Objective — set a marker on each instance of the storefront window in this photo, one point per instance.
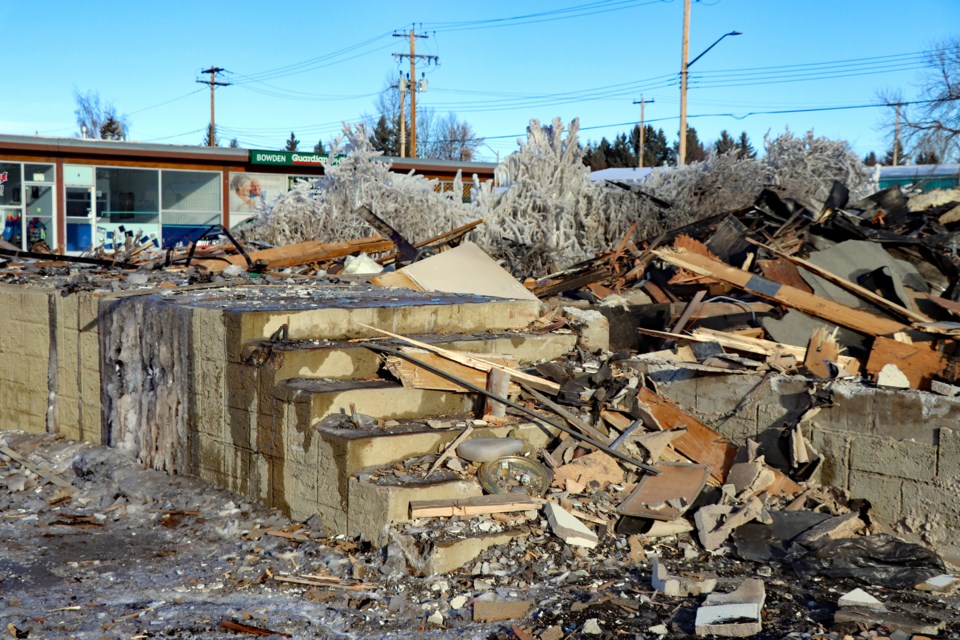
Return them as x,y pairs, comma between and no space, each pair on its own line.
191,202
38,172
127,204
11,202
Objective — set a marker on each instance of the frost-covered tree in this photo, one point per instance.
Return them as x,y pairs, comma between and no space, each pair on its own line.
807,166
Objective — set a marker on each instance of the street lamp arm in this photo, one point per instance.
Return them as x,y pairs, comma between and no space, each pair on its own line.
732,33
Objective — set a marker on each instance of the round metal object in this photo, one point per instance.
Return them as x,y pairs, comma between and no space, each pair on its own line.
515,474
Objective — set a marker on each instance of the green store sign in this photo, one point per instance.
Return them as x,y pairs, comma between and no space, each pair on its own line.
289,158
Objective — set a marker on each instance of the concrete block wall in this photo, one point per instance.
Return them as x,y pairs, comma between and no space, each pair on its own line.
899,449
49,362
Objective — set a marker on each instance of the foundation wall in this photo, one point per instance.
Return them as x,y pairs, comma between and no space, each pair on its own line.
49,362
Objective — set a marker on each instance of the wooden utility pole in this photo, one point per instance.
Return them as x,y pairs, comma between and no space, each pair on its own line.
403,117
213,71
685,52
641,102
414,84
896,137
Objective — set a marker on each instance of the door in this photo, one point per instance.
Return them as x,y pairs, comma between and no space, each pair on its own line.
80,208
39,228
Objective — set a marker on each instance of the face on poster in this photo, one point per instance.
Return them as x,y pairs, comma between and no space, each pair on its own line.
248,191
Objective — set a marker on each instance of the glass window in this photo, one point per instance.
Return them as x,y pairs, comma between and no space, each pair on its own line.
10,192
128,195
191,203
38,172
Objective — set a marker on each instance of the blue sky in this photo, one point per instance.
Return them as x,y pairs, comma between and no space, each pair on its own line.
308,66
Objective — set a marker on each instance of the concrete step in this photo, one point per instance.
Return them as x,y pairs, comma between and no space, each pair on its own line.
338,360
337,313
379,399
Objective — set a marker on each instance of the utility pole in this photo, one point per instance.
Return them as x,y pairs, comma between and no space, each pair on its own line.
684,53
213,71
415,86
896,137
641,102
403,85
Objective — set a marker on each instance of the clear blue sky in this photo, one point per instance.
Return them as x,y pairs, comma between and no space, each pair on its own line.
321,63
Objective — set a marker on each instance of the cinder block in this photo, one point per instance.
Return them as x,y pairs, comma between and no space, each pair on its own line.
852,409
899,415
948,453
882,491
834,446
900,458
935,503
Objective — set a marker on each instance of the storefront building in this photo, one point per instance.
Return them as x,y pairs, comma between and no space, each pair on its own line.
73,194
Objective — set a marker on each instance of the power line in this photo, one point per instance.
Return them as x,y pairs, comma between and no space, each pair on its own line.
576,11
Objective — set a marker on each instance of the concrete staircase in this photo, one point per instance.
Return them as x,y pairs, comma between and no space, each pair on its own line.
286,370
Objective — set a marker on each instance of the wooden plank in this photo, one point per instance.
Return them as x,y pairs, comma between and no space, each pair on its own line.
785,272
478,505
852,287
416,377
700,443
49,476
477,363
292,255
821,348
675,482
451,448
855,319
919,362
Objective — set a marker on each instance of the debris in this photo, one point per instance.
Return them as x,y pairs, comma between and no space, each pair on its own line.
595,469
735,614
679,586
233,625
497,610
466,507
451,448
943,583
859,598
417,377
666,496
878,560
568,528
465,269
488,449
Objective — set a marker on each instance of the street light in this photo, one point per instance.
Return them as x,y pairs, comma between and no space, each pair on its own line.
684,66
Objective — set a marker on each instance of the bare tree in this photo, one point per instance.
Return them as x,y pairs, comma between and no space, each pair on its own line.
934,127
452,139
97,119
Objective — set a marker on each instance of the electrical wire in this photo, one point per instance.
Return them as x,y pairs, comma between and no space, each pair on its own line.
566,13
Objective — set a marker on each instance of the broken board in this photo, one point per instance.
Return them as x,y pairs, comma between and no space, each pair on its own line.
668,495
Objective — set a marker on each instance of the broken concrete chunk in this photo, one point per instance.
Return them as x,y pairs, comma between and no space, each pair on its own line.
596,467
843,526
592,627
591,326
751,478
729,620
859,598
944,389
751,590
661,528
497,610
679,586
941,583
891,376
487,449
568,528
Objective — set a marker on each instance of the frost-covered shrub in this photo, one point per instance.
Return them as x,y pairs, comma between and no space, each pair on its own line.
324,209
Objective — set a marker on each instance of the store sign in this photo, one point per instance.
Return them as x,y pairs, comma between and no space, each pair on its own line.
289,158
3,178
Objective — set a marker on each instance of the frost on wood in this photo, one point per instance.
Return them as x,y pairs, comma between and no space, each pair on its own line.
146,389
324,209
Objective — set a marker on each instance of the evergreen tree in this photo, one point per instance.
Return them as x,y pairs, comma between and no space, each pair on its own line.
318,148
901,156
234,144
870,159
206,137
725,143
620,154
695,150
292,143
746,149
928,156
656,150
386,137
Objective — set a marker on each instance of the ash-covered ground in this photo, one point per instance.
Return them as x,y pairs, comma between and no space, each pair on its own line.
97,547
